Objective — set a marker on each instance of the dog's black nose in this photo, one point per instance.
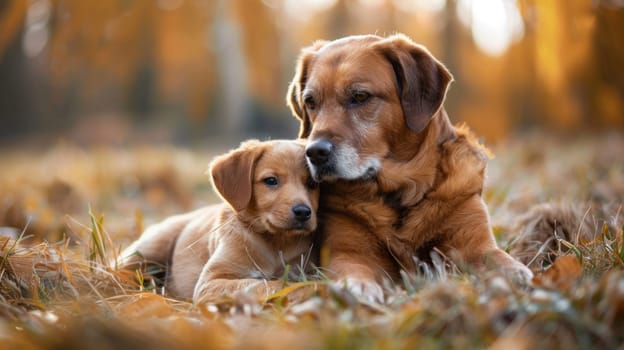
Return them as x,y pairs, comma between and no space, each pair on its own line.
302,212
319,151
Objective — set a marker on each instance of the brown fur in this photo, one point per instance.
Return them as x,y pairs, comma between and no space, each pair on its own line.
244,244
413,181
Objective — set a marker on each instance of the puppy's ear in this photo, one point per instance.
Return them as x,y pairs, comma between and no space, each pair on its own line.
232,174
293,97
422,81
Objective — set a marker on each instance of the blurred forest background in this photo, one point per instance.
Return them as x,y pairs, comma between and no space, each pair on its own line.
191,71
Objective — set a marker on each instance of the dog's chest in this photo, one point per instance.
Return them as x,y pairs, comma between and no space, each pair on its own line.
365,206
273,260
405,229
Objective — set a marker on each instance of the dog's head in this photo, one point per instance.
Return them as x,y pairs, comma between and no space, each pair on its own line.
359,95
268,185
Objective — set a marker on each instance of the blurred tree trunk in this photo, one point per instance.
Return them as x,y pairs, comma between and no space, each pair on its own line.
12,14
142,92
16,113
450,56
260,41
232,69
12,66
339,21
607,75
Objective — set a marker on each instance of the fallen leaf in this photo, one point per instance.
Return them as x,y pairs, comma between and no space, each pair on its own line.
146,305
562,274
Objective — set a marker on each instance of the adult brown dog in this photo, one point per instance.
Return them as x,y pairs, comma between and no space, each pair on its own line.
398,178
244,244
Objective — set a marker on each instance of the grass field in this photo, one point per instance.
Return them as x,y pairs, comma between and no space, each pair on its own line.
65,212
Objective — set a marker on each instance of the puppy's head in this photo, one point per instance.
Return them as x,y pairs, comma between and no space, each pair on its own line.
358,95
268,186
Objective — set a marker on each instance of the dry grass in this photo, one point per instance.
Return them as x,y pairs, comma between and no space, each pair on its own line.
65,213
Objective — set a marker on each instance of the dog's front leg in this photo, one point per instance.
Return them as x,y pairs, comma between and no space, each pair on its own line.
230,271
357,261
357,277
474,243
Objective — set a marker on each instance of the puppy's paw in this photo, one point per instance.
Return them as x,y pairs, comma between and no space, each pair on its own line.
519,274
363,289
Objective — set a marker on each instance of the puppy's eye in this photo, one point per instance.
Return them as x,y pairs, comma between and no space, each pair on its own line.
309,103
359,97
270,181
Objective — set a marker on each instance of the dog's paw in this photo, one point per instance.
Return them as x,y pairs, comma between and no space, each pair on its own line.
363,289
519,274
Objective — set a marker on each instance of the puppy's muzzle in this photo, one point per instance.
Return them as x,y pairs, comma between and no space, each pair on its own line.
319,151
302,213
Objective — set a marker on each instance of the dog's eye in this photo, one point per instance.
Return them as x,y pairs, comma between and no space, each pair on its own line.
359,97
270,181
309,102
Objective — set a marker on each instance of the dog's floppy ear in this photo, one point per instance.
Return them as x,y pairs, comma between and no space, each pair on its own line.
293,97
232,174
422,81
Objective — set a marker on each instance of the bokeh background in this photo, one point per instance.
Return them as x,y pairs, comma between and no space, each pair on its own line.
194,71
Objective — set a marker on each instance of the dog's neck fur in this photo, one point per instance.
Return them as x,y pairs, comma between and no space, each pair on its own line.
407,144
413,167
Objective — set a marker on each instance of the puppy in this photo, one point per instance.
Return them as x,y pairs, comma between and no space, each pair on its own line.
243,244
399,180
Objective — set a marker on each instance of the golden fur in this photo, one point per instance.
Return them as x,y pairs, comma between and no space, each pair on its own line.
398,179
246,243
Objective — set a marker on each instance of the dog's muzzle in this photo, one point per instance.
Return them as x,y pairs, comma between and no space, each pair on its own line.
319,152
320,156
328,162
302,213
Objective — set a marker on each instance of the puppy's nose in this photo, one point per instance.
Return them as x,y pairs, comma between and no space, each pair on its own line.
302,212
319,151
